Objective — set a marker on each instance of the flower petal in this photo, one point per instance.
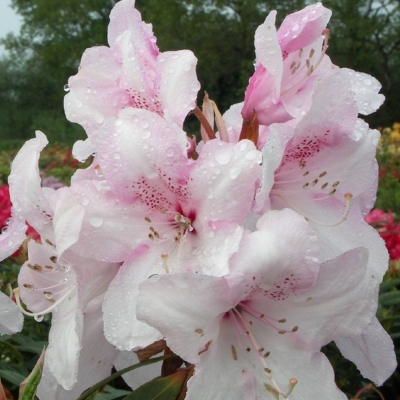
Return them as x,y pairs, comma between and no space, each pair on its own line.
372,352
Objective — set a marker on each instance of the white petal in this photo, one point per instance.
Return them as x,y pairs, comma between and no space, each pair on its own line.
11,319
372,352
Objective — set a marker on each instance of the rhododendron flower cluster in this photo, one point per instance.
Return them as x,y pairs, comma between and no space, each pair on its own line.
241,252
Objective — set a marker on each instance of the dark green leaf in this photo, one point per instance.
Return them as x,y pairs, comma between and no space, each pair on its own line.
167,388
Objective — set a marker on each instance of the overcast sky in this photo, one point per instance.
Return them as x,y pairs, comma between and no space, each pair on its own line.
9,21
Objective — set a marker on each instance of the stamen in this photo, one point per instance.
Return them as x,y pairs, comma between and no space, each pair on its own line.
241,323
347,196
48,310
164,257
310,68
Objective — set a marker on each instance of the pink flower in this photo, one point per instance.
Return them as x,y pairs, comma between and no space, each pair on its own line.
288,64
249,333
388,229
57,280
159,212
130,73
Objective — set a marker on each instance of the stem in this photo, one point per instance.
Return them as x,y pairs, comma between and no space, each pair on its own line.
203,120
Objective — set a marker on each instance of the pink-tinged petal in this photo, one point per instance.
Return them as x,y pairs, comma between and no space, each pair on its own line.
139,78
125,17
365,88
139,376
95,93
25,184
301,70
229,370
95,360
223,180
233,121
107,236
41,280
262,265
45,282
67,221
65,339
354,232
372,352
342,281
208,250
11,319
179,84
141,156
40,288
330,157
262,96
121,327
219,376
12,237
303,27
82,149
268,51
272,152
189,322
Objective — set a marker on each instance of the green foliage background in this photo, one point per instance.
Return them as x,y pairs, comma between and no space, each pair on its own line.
364,36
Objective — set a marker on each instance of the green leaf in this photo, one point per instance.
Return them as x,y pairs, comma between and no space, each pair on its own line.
385,286
12,376
167,388
110,393
86,395
28,387
390,298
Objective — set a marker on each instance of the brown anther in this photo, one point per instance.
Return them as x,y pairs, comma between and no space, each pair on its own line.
314,182
324,185
234,354
147,219
35,267
27,286
266,354
267,370
322,174
199,331
281,332
295,328
282,321
305,185
53,259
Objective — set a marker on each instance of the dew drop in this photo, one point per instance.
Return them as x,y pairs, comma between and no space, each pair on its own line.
66,88
96,221
38,318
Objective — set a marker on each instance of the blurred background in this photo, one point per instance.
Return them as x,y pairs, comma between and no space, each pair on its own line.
47,39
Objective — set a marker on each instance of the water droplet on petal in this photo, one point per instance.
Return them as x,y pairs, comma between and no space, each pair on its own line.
48,295
38,318
96,221
66,88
